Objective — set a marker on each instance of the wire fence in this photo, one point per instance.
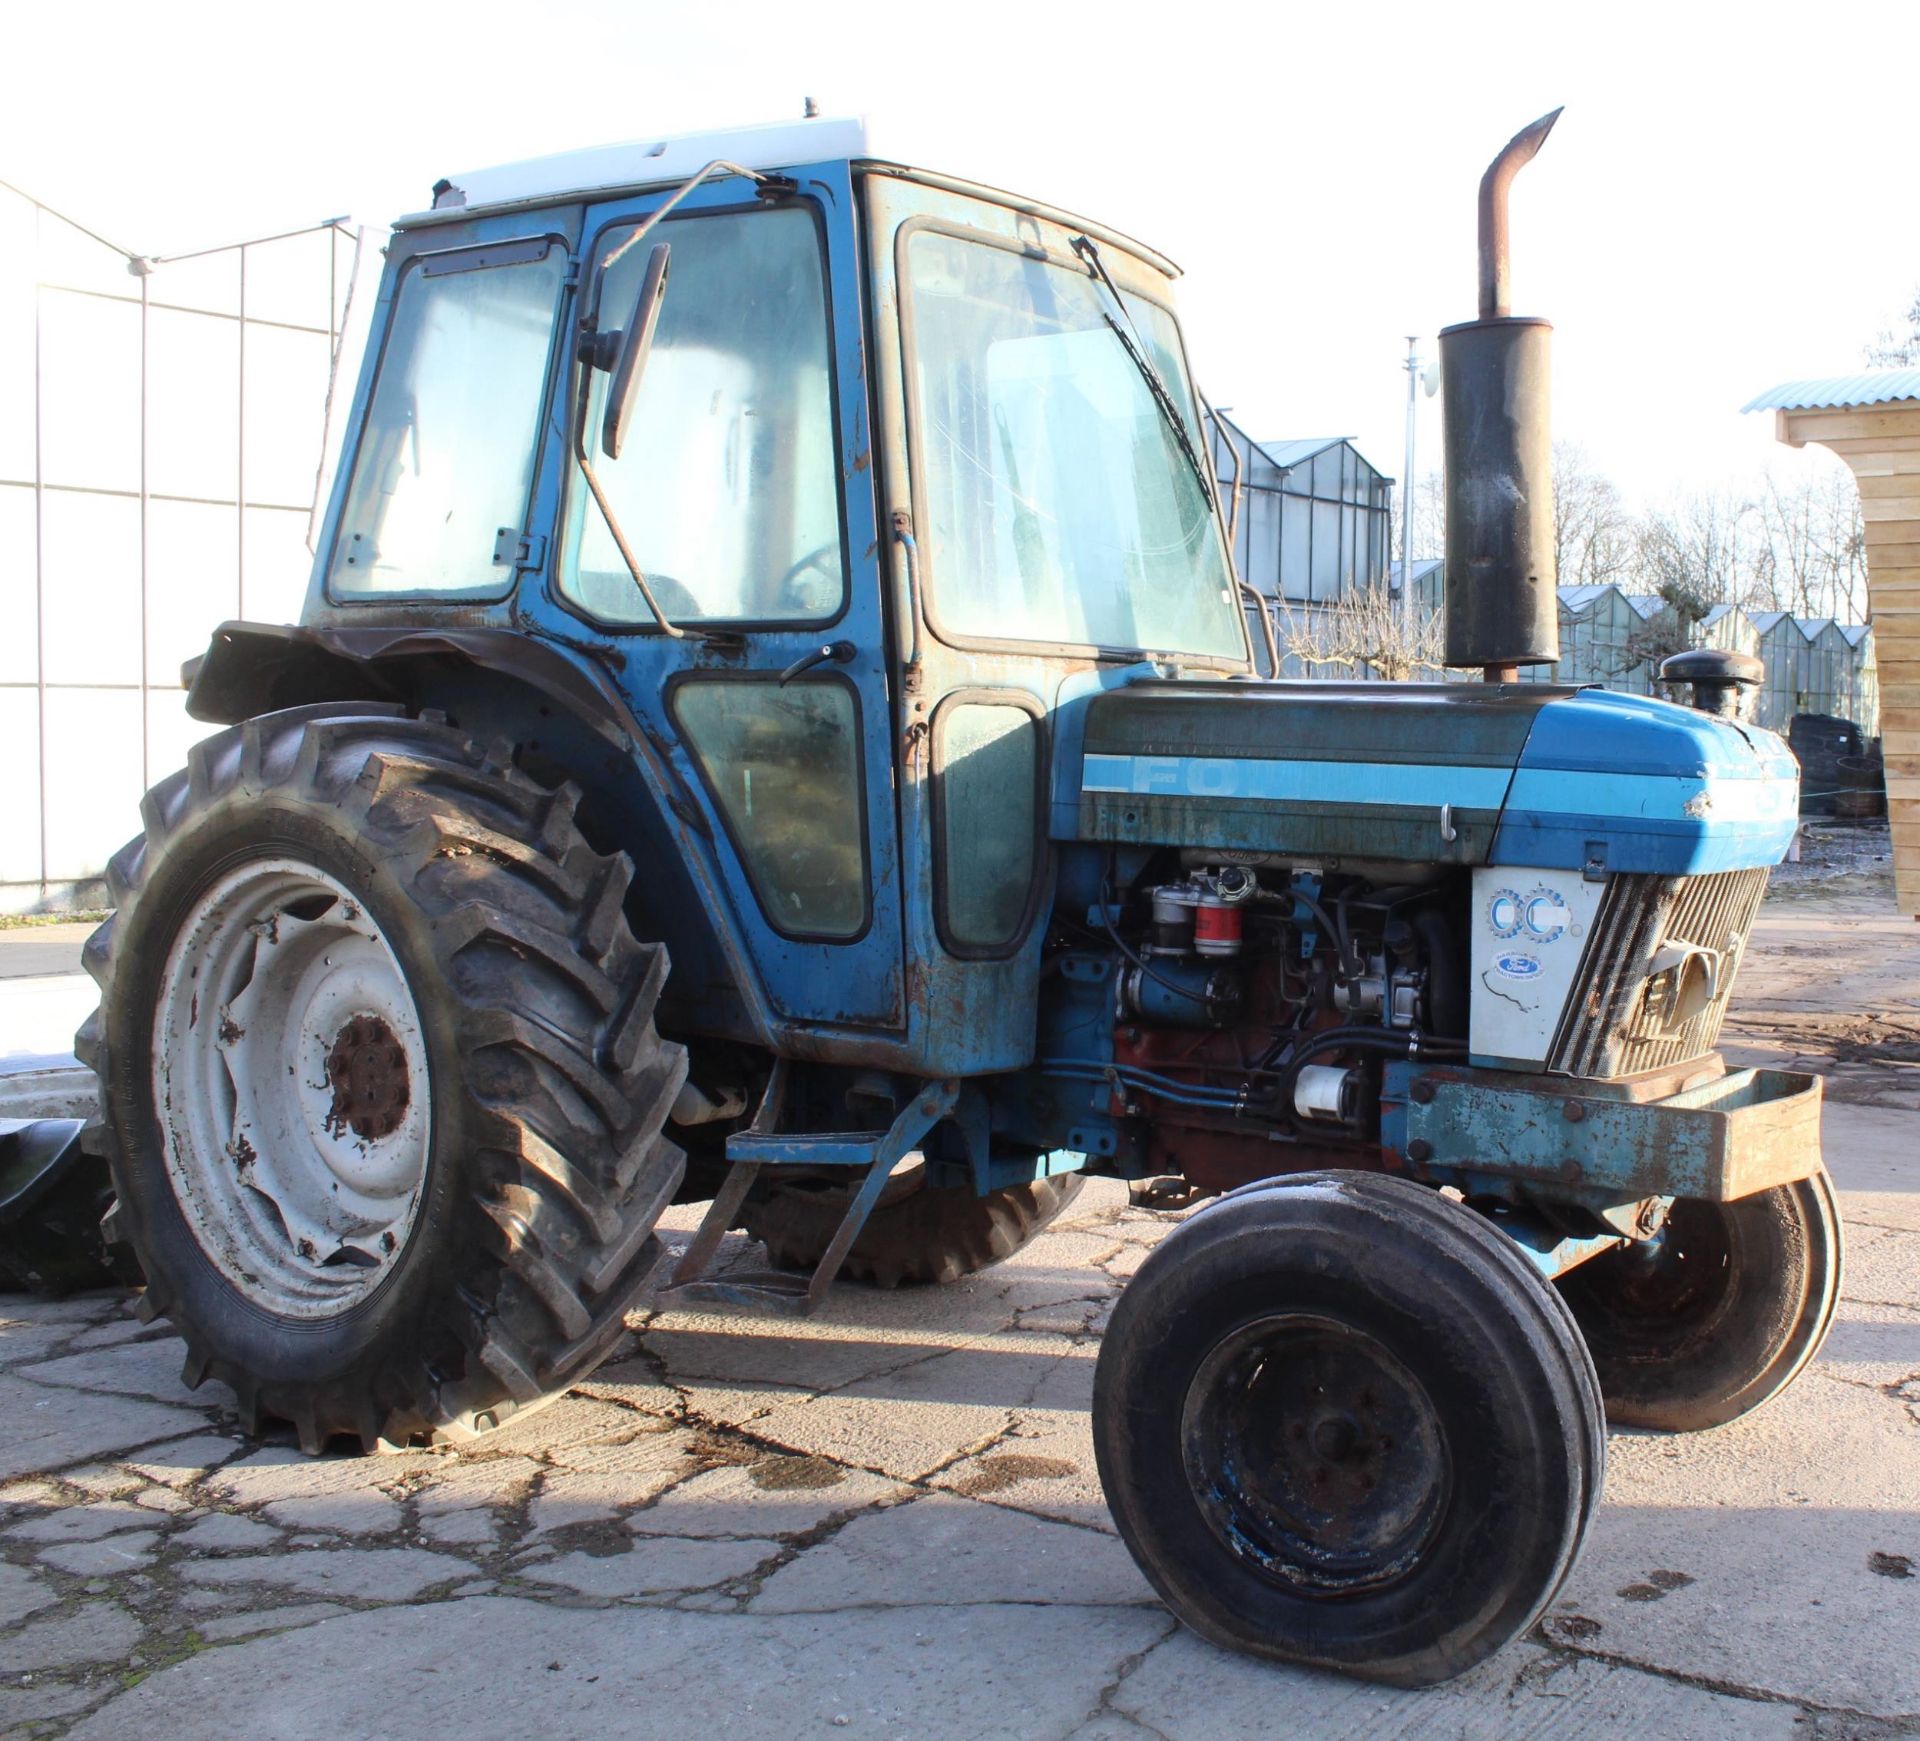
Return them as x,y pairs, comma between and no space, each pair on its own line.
163,430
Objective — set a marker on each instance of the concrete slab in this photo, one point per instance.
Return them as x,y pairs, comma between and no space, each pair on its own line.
983,1554
58,1519
225,1532
912,1421
149,1369
21,1594
92,1632
186,1461
1186,1690
655,1566
258,1620
499,1669
42,1427
773,1496
113,1555
486,1479
1044,1465
462,1529
279,1474
370,1574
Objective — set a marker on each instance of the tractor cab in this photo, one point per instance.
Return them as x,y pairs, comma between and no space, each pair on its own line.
898,461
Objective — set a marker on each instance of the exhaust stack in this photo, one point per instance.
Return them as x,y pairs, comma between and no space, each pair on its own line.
1502,607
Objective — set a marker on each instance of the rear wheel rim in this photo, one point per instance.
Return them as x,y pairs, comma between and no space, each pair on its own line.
291,1084
1657,1296
1315,1455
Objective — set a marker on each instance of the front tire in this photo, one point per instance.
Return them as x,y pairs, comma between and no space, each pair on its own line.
380,1088
1716,1315
1340,1420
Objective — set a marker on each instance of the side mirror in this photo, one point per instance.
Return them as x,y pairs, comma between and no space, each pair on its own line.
635,339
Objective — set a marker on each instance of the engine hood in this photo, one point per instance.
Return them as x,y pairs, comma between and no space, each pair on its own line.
1520,774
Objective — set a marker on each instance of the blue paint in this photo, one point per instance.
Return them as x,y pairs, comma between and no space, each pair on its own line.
1069,721
1649,787
1297,782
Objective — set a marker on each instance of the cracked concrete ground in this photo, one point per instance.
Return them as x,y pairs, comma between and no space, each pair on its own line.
884,1522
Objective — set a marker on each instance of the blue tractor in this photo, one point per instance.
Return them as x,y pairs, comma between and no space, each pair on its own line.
773,724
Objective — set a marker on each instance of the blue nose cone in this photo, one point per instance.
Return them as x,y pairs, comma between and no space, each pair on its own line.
1612,782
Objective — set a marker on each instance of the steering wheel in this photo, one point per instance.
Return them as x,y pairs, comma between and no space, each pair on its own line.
812,598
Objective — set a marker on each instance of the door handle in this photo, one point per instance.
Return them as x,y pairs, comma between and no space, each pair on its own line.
827,653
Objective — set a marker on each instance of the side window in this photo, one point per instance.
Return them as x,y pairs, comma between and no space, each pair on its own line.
783,764
446,459
728,486
986,807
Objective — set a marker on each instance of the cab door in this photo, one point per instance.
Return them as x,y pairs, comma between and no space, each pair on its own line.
744,495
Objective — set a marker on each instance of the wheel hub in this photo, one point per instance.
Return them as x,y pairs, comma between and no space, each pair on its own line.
1314,1454
367,1068
291,1086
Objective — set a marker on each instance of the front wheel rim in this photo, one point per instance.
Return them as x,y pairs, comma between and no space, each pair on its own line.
292,1088
1315,1455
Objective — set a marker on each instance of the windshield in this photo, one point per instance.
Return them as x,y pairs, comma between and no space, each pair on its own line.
1058,504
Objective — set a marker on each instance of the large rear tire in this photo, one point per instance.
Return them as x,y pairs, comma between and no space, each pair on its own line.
380,1087
1719,1313
1341,1420
916,1236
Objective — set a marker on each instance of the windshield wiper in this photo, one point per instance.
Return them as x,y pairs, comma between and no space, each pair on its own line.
1130,340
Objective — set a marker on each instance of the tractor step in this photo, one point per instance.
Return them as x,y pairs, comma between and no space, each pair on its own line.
750,1150
823,1148
777,1291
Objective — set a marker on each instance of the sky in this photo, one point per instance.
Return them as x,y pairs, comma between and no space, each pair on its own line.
1728,201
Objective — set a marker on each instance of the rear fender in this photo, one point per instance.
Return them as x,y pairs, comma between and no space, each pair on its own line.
566,719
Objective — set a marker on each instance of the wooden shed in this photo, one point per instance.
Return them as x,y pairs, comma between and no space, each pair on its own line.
1872,421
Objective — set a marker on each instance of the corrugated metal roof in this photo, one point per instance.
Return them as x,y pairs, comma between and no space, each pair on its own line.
1810,627
1870,387
1288,454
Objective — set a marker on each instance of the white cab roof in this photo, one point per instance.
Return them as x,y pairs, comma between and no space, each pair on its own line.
648,162
670,158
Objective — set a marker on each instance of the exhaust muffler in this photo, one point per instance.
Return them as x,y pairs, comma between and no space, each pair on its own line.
1502,607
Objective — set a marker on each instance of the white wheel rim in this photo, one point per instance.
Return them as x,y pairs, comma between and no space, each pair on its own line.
290,1077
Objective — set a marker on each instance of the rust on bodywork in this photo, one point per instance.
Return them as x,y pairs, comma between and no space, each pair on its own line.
1722,1139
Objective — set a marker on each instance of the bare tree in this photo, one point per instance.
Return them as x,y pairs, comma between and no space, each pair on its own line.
1362,632
1593,534
1690,553
1811,554
1898,347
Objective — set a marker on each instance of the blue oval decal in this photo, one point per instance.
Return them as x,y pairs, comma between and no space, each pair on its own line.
1517,966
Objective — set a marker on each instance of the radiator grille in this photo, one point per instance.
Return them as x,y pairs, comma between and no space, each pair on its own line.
1615,1023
